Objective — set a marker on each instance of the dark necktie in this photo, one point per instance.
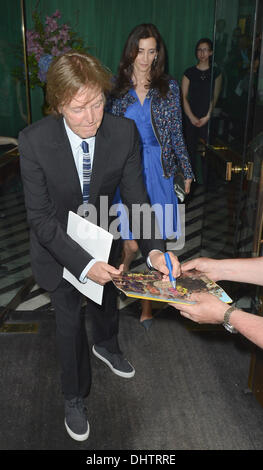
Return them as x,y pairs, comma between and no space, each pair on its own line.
86,171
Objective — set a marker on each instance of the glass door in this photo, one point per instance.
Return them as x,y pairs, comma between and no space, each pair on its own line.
233,156
230,173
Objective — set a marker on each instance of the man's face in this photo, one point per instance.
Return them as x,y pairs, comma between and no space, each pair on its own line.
84,113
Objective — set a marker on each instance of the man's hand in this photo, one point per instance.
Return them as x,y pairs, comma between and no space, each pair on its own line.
101,272
158,262
207,309
210,267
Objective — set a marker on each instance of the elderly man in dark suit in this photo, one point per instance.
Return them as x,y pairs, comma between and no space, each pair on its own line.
75,156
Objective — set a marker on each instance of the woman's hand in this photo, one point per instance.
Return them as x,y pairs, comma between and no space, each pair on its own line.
187,185
202,121
194,120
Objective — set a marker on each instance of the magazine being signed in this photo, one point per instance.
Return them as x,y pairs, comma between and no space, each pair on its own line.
149,285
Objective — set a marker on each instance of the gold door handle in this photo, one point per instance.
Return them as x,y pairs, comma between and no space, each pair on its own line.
230,168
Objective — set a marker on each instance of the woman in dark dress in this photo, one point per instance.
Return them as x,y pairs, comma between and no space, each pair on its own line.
198,101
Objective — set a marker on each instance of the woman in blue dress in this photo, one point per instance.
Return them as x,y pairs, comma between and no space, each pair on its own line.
143,92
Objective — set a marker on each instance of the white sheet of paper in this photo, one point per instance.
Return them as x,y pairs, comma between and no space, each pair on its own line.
97,242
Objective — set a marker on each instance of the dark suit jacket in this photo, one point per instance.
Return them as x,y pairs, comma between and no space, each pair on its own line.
52,189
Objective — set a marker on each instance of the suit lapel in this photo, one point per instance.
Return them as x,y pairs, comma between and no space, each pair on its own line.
65,160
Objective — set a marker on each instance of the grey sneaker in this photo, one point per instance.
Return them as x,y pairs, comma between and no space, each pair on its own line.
116,362
76,421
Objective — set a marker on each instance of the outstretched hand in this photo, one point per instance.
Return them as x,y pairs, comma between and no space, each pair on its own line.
210,267
206,309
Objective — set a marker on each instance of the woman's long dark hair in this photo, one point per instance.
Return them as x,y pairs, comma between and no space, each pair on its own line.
158,79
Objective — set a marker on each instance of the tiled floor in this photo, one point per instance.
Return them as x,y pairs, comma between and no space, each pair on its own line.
14,245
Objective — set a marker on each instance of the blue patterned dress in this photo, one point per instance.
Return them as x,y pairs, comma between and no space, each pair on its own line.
160,189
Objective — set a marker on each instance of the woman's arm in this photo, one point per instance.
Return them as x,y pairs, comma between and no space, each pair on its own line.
178,142
217,89
187,109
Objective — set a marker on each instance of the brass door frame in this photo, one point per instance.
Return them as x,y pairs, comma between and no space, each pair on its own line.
23,29
257,242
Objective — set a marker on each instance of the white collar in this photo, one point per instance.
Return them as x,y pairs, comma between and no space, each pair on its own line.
74,139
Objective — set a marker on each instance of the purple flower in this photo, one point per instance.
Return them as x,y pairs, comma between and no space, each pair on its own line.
57,14
43,66
38,51
66,49
55,51
48,40
64,33
52,24
32,41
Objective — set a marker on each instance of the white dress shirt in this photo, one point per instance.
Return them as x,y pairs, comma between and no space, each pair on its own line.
75,143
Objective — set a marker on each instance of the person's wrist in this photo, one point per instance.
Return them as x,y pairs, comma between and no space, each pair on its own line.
220,270
227,323
223,312
220,312
225,270
148,260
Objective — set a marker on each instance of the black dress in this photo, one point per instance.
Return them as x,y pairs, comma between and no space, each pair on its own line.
199,98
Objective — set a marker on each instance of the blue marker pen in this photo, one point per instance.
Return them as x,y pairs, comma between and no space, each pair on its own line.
170,267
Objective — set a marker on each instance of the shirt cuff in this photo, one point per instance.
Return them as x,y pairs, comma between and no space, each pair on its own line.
148,261
82,277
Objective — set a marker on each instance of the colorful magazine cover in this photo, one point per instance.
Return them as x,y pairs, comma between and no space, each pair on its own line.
149,285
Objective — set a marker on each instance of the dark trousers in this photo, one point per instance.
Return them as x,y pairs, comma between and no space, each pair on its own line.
71,334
